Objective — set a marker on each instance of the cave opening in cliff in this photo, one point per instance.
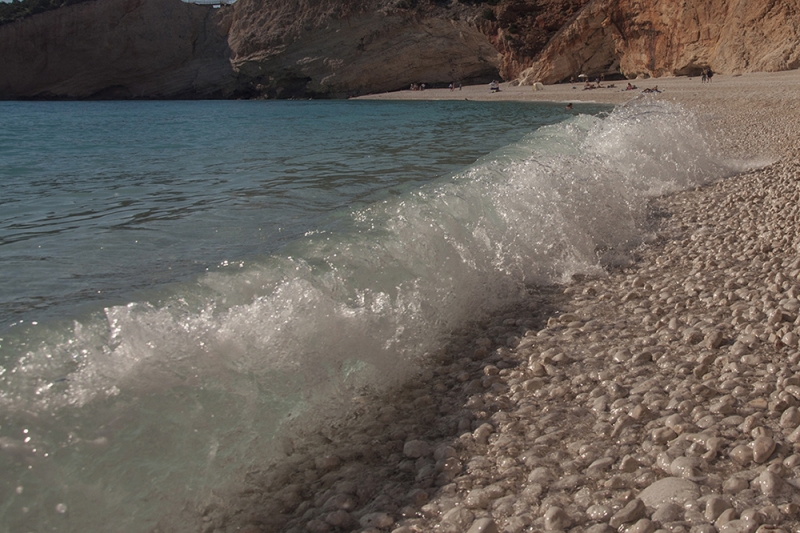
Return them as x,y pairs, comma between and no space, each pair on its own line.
690,70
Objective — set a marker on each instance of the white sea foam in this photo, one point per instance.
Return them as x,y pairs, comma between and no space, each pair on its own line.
194,387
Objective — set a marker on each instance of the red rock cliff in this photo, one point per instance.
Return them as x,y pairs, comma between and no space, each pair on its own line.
673,37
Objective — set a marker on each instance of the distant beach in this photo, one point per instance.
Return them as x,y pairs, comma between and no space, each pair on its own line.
761,86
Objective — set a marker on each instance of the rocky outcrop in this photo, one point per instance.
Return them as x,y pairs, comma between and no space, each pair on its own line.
345,47
118,49
338,49
521,29
254,48
672,37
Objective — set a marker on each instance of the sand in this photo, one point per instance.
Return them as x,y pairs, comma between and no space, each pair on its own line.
754,86
662,396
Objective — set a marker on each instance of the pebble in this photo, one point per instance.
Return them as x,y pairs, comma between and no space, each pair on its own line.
642,526
790,418
738,526
376,520
726,516
339,519
326,463
771,485
762,449
600,528
482,433
556,519
734,485
483,525
670,489
794,436
685,467
416,449
715,506
598,513
317,526
660,394
633,511
741,454
456,520
668,512
481,498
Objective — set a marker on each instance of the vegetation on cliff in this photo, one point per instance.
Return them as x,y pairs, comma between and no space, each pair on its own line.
19,9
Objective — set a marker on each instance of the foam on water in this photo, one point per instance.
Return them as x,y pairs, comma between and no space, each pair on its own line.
127,416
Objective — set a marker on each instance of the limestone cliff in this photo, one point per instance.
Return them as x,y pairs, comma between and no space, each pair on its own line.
338,48
672,37
271,48
329,48
117,49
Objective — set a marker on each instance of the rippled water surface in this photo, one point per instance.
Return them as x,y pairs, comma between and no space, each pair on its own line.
180,278
185,283
102,199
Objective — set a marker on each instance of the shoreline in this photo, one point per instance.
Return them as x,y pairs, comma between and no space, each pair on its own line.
682,88
663,396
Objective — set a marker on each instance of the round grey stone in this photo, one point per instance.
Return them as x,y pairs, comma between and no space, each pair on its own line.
483,525
669,489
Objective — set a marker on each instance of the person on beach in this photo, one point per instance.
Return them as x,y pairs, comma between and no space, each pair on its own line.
704,76
709,74
494,87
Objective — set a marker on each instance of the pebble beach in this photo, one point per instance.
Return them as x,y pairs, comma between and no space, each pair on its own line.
662,396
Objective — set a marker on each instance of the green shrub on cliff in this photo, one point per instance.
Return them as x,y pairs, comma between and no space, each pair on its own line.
19,9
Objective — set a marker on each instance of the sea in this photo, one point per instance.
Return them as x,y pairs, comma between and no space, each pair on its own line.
185,283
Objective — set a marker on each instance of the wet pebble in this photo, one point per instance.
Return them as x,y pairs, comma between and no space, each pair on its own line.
668,512
416,449
661,395
483,525
556,519
376,520
763,447
632,512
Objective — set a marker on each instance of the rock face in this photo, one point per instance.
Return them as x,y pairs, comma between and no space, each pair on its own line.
254,48
117,49
339,48
672,37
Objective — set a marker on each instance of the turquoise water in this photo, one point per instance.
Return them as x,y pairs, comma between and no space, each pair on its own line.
102,199
180,279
